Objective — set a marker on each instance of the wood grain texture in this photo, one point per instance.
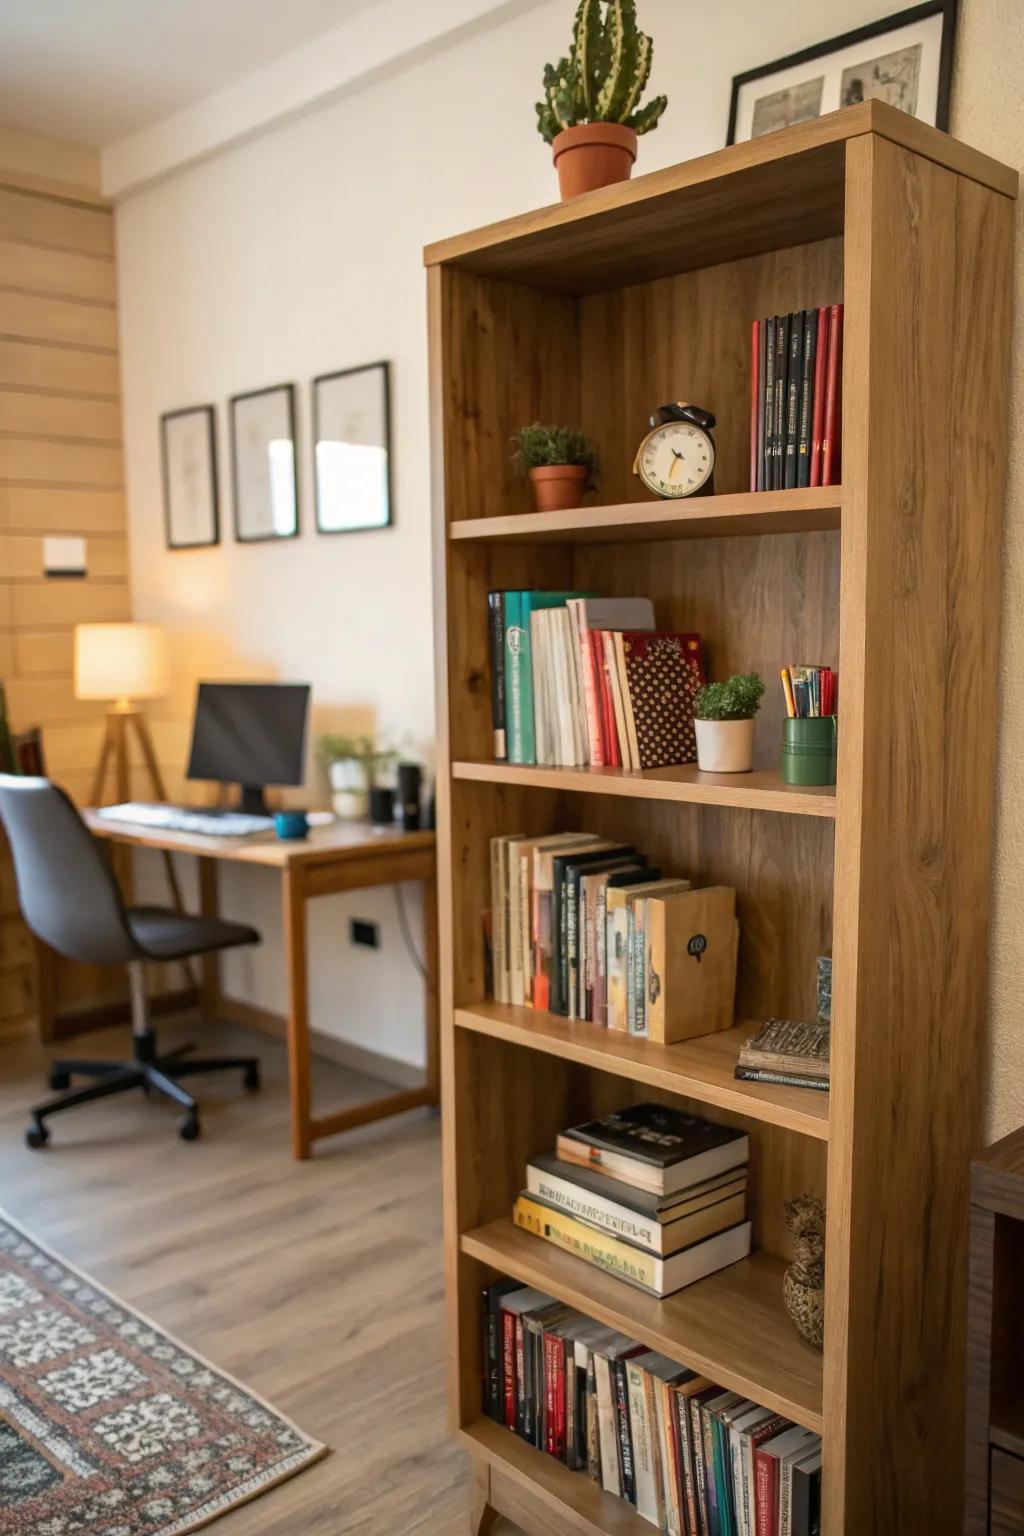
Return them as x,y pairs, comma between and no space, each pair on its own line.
701,1070
743,512
732,1326
533,1489
773,191
927,258
1007,1480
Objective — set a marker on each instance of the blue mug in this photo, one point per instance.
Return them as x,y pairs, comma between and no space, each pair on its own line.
291,824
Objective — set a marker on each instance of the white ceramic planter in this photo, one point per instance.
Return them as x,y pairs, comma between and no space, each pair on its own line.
349,798
725,746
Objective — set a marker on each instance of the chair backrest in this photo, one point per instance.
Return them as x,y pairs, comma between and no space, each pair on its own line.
67,894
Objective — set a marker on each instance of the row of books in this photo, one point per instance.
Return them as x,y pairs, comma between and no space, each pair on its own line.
692,1458
579,680
795,399
584,927
649,1194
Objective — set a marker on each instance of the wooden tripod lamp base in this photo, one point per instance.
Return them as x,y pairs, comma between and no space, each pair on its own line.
122,721
124,664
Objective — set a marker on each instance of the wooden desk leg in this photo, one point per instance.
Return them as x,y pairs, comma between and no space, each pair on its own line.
296,960
209,906
432,985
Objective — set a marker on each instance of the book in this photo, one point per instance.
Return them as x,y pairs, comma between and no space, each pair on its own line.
794,374
493,1348
803,446
659,1148
810,1445
594,614
663,676
766,1476
755,399
658,1276
806,1495
660,1239
790,1046
609,731
762,361
519,678
818,410
830,441
521,900
782,329
618,902
542,919
769,405
564,865
593,899
783,1079
690,960
500,914
511,1307
496,636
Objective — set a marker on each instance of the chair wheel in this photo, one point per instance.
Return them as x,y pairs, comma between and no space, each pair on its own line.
59,1080
37,1136
251,1079
188,1128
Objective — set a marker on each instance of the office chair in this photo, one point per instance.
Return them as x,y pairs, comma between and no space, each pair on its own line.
70,899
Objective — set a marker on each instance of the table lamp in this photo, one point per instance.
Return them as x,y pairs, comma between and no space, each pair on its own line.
125,664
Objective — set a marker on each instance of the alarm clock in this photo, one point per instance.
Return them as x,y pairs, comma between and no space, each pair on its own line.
677,457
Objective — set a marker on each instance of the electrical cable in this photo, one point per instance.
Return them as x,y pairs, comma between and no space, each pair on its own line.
403,921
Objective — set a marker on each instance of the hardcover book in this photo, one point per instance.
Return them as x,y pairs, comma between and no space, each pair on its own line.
663,677
664,1146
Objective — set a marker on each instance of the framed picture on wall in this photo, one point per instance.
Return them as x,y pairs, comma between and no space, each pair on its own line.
905,59
266,493
188,451
352,449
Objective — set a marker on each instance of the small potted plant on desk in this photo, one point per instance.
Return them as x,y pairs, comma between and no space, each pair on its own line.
723,719
560,462
353,764
591,113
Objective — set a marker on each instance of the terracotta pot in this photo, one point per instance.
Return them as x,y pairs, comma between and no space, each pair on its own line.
558,486
593,155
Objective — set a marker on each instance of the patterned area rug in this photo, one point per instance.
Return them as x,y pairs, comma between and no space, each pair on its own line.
108,1427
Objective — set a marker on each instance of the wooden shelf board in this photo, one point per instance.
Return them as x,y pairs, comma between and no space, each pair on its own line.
762,790
743,512
586,1508
698,1069
780,189
1007,1428
732,1326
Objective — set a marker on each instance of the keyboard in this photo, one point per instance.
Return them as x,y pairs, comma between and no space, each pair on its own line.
178,818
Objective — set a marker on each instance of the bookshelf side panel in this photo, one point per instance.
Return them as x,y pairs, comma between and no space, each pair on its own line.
928,284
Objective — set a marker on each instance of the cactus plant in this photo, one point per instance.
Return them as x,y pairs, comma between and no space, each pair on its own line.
604,76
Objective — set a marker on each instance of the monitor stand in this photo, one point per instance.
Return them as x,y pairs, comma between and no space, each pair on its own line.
251,801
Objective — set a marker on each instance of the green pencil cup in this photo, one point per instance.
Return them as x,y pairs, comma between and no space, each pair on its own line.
809,750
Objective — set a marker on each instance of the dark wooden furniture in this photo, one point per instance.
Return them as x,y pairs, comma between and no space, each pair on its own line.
995,1343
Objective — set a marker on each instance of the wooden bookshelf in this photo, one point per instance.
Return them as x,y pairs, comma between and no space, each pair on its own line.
593,313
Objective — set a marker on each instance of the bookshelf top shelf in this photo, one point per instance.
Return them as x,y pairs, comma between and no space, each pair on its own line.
732,1326
704,517
782,189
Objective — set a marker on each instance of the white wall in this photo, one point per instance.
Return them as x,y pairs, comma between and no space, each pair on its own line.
300,252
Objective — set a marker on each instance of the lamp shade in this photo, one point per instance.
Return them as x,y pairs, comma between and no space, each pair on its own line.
120,661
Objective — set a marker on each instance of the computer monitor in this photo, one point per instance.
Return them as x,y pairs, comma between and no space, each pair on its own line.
250,734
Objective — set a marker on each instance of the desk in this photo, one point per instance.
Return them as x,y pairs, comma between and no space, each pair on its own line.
344,856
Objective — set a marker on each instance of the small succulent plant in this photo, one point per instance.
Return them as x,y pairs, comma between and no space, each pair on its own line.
737,699
537,446
605,74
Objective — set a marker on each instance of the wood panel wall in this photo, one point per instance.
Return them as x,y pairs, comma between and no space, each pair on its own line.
61,472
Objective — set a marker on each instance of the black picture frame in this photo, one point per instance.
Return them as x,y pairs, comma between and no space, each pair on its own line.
288,391
210,437
947,9
320,382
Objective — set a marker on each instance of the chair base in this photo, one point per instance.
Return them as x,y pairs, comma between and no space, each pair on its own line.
146,1070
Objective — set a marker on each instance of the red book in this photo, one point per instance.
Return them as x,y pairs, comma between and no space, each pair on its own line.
508,1341
818,421
755,404
830,437
766,1489
609,731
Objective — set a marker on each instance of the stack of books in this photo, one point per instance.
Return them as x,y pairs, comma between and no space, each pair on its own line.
651,1195
584,927
579,680
787,1051
796,370
693,1459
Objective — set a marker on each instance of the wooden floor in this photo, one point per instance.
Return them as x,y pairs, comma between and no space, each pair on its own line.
318,1284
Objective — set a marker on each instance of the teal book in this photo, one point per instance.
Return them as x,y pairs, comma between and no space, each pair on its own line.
521,742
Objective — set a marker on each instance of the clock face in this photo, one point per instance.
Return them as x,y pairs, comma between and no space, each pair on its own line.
676,459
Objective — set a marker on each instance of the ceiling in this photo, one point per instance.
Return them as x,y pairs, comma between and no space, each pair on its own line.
98,70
